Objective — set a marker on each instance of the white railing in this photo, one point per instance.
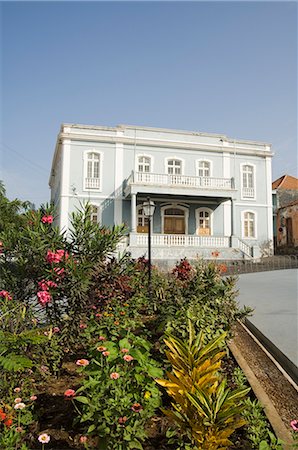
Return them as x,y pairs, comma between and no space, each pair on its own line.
92,183
244,247
248,192
160,179
178,240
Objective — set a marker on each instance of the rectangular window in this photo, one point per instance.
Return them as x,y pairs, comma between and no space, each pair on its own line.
248,181
249,225
92,177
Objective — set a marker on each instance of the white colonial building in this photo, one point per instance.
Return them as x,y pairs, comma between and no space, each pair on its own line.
212,193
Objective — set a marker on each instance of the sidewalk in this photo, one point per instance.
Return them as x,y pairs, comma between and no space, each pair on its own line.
274,296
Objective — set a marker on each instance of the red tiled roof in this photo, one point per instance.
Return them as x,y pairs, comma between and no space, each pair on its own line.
285,182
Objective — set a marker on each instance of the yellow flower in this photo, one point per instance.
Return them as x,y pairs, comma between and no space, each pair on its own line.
147,395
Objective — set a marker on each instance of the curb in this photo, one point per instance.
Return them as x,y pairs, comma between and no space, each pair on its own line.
277,424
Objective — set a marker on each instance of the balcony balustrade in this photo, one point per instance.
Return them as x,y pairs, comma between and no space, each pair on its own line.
158,179
178,240
92,183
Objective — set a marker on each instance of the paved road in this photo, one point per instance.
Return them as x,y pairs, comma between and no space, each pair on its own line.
274,295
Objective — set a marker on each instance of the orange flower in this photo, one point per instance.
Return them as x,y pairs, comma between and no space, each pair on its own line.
8,423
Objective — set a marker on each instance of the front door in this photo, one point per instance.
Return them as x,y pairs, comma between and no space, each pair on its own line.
174,225
174,221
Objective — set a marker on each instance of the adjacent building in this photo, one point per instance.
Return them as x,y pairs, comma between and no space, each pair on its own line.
285,213
212,193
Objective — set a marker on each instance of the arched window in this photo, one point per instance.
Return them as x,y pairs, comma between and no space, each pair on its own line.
204,169
248,181
144,164
174,167
93,171
204,221
249,225
142,220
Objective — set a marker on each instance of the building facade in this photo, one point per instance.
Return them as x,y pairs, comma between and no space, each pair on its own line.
285,214
212,193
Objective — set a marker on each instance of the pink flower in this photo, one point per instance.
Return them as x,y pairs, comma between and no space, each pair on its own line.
101,338
52,257
294,425
17,389
82,362
124,350
101,348
59,272
122,420
33,398
43,285
105,353
44,438
83,439
83,326
6,295
47,219
98,315
128,358
136,407
56,330
69,393
62,254
17,400
114,376
44,297
52,284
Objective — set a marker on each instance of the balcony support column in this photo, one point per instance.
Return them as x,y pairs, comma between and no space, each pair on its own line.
133,213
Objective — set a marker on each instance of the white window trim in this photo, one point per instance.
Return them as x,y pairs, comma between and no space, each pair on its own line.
177,206
204,160
254,180
96,205
145,155
210,211
137,216
85,164
255,223
177,159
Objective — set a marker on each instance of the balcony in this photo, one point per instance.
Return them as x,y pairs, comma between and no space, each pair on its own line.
150,182
92,183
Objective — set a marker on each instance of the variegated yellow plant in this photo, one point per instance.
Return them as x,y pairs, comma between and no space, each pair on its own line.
204,408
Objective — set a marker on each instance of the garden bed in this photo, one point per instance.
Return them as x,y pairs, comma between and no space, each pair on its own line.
89,360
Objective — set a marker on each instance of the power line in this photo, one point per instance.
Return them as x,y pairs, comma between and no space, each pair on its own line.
24,157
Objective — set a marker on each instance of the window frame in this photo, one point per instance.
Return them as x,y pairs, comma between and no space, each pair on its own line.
197,215
253,166
174,158
139,207
198,167
249,211
98,214
143,155
85,170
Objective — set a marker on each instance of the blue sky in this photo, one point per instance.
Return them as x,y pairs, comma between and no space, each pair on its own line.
222,67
